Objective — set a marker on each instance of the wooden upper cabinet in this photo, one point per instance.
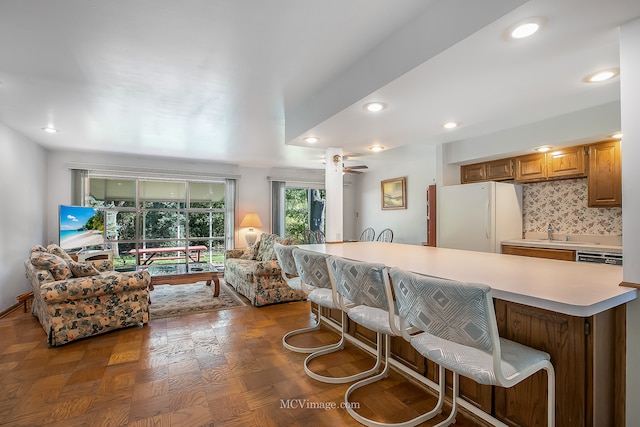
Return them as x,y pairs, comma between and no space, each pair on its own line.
499,169
567,162
496,170
532,167
605,174
473,173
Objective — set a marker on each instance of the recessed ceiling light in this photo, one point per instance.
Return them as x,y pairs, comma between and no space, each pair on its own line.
602,75
49,129
376,148
450,125
374,106
525,28
617,135
311,139
542,149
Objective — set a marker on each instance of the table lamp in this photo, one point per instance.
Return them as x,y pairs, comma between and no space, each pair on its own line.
251,220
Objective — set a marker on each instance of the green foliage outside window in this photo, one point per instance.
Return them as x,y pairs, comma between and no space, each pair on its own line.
161,218
304,209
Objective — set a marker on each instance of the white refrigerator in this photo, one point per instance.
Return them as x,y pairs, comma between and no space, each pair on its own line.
477,217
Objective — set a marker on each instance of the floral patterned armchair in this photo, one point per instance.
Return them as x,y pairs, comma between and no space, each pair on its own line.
75,300
255,273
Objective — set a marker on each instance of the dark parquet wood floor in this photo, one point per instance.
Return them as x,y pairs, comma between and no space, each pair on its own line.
224,368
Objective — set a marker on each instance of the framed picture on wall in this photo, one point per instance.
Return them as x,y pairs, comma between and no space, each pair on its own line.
394,193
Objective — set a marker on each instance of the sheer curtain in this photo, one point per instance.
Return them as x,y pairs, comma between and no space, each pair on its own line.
277,208
230,212
79,186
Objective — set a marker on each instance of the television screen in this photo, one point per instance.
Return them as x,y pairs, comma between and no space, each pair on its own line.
81,227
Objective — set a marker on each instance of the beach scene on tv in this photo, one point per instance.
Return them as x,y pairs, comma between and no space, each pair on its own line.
81,227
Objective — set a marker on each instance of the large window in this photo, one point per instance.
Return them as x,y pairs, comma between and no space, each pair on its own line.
152,214
304,210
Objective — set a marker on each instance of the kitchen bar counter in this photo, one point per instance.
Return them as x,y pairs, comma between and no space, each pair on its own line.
576,289
574,311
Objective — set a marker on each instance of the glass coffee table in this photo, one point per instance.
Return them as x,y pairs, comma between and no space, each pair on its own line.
179,274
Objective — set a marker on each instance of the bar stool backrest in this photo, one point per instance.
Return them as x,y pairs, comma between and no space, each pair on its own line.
454,311
284,253
312,268
362,283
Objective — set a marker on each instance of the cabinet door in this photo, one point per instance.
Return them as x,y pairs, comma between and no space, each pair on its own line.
330,313
605,175
401,349
499,169
473,173
568,162
561,254
532,167
563,337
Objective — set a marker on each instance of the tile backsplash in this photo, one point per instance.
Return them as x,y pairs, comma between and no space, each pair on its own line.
563,204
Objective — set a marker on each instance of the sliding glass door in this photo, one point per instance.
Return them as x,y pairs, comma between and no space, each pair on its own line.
156,221
304,211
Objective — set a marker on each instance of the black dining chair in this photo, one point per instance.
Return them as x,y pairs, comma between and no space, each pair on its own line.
385,235
368,235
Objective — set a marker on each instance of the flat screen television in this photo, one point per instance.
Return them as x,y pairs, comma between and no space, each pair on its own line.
81,227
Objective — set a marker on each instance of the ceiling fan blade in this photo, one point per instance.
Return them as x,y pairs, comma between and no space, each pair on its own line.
358,167
349,170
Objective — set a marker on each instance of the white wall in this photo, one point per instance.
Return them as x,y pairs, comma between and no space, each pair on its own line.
630,105
408,225
59,175
350,198
254,195
254,189
23,173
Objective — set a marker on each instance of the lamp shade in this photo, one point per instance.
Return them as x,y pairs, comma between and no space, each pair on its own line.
251,220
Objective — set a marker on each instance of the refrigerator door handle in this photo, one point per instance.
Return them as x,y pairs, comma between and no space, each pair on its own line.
487,220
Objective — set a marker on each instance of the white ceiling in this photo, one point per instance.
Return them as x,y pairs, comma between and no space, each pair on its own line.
242,81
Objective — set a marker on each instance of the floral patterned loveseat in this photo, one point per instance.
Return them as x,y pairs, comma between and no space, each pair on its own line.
255,273
75,300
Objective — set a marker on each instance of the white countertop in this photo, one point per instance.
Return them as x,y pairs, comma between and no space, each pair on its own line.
573,288
562,244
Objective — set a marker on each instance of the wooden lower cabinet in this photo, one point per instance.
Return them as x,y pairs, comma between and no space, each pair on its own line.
584,355
401,350
563,337
561,254
335,315
588,355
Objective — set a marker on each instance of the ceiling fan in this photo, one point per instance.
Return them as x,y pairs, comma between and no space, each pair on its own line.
348,169
352,169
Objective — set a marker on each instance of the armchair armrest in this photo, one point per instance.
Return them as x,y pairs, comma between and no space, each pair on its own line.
101,264
93,286
267,268
234,253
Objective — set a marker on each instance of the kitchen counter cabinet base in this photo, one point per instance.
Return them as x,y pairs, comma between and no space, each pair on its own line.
589,372
561,254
